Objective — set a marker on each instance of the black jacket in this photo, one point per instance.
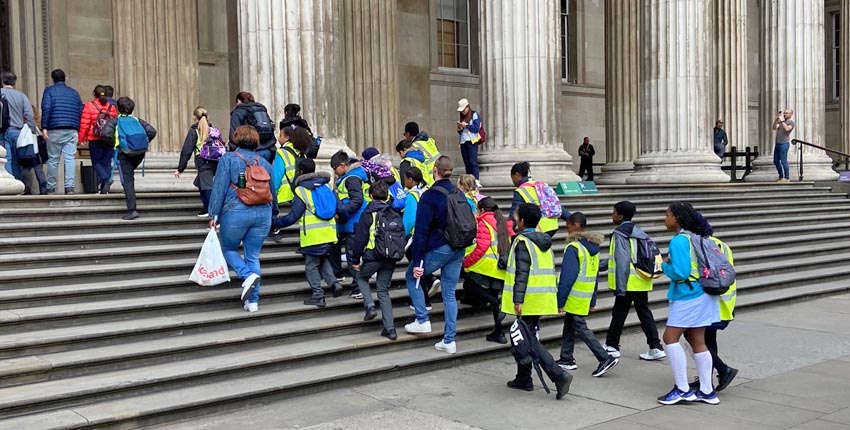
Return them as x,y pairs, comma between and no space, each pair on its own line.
362,236
190,145
523,261
588,151
239,117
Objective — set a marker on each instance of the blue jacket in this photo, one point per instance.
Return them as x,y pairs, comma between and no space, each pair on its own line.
309,181
223,196
430,220
679,271
61,108
570,265
355,204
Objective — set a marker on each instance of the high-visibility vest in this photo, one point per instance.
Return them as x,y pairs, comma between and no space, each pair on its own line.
727,300
429,150
635,282
529,195
488,265
289,160
396,175
314,230
342,191
541,293
426,171
578,302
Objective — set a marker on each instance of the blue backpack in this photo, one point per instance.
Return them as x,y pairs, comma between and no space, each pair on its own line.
131,136
398,196
324,202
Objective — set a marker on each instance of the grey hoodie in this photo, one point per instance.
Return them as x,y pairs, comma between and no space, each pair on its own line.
622,253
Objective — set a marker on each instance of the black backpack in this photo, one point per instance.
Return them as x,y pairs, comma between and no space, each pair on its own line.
259,119
4,113
461,226
389,235
647,259
524,347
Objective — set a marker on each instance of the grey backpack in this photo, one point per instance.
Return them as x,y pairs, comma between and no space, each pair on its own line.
716,273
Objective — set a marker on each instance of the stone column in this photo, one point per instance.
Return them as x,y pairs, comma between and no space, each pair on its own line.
8,184
675,95
521,89
290,52
371,76
732,88
156,64
622,89
844,96
792,77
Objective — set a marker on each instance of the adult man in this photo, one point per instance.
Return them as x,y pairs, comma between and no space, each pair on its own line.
720,138
586,153
61,110
20,114
784,125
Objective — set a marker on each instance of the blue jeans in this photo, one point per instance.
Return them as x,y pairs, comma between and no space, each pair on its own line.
248,225
469,152
102,154
10,141
61,144
449,261
780,159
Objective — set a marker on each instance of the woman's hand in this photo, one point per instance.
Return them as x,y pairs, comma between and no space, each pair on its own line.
212,223
418,272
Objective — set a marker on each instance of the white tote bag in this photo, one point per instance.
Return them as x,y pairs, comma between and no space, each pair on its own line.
211,268
27,138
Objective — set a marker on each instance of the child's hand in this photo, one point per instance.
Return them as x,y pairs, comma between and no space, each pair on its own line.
518,309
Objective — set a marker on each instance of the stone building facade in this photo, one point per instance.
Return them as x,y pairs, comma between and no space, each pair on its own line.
643,79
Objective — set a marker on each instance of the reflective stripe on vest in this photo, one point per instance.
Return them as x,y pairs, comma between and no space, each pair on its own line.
541,293
578,302
728,300
284,193
314,230
342,190
529,195
426,172
635,282
488,265
429,151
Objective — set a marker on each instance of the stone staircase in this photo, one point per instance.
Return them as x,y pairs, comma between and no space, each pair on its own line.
100,328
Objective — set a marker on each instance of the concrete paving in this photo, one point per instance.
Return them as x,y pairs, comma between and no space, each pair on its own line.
794,363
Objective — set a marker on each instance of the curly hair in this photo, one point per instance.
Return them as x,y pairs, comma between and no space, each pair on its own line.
689,219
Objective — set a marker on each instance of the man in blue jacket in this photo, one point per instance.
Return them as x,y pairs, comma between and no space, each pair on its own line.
61,109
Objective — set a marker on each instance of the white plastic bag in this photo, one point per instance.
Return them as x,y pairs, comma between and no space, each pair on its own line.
211,268
27,138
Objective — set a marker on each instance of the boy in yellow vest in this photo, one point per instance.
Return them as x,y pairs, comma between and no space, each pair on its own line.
529,293
577,294
317,235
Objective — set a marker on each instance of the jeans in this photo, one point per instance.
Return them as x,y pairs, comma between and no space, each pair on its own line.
127,165
780,159
469,152
719,150
10,141
449,261
575,325
547,363
249,226
102,154
316,268
29,167
385,270
61,144
205,199
622,305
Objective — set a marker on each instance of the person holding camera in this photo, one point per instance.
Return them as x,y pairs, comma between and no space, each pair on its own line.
784,125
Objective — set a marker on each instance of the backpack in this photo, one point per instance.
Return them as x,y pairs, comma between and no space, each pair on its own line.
550,204
524,347
398,194
389,235
647,258
324,202
213,148
716,273
482,133
461,226
102,118
260,120
132,138
4,113
257,189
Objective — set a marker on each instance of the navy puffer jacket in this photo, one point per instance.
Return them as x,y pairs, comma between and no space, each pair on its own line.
61,108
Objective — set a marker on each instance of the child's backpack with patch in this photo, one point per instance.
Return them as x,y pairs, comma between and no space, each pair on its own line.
647,258
461,226
132,138
213,148
550,204
324,202
102,118
716,274
257,189
389,234
524,348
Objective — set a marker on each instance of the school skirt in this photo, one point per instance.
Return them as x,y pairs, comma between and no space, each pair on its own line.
702,311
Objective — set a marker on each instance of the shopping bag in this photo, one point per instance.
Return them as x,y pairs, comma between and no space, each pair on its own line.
27,138
210,269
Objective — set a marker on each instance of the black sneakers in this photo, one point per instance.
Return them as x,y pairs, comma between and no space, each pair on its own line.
389,334
725,379
371,313
563,386
605,366
525,386
130,216
319,303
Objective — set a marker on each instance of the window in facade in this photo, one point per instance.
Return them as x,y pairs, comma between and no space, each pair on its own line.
565,39
453,34
836,56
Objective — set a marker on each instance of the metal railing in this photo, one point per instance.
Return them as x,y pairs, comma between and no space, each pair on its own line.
800,152
749,155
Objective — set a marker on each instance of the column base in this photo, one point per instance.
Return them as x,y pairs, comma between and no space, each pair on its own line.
550,165
329,147
616,173
816,167
9,186
678,168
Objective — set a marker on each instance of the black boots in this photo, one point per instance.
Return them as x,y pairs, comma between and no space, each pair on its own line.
498,333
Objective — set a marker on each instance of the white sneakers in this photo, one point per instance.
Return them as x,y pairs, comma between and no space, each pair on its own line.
251,307
416,327
613,352
450,348
653,354
435,288
249,284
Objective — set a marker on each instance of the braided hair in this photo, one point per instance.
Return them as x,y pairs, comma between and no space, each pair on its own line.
689,219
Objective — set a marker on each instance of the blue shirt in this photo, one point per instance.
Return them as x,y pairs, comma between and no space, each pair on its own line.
679,271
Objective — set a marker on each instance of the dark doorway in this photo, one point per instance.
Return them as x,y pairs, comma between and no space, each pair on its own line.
5,37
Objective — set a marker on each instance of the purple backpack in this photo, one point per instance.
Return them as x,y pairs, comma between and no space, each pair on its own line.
213,148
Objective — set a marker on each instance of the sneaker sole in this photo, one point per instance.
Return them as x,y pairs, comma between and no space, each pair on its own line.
644,358
614,354
726,383
446,350
714,401
605,370
566,387
671,402
566,367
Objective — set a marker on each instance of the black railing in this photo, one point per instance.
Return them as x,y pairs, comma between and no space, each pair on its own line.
800,152
749,155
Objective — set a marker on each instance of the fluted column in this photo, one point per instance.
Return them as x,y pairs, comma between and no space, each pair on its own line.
792,77
290,52
156,64
521,89
676,145
8,184
371,75
622,89
844,96
732,88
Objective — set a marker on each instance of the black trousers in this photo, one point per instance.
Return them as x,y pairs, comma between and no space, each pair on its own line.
127,165
622,305
586,168
711,343
547,363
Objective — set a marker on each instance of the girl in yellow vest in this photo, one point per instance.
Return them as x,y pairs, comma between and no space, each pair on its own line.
577,294
415,185
526,193
294,142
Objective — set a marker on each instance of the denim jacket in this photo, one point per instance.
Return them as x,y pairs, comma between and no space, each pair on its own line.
223,196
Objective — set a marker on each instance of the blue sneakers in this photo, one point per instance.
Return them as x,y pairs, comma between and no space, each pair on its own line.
676,395
710,398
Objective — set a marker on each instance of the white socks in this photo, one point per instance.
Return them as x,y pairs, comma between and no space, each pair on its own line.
703,361
679,363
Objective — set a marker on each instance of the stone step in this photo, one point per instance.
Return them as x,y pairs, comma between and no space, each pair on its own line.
94,226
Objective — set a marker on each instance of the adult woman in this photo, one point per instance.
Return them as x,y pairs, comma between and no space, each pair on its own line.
241,223
468,129
249,112
102,148
691,310
198,134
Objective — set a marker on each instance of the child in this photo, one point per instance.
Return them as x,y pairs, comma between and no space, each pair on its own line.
415,185
317,235
29,158
628,286
129,133
577,294
467,185
526,192
351,187
529,280
206,164
691,310
294,141
412,157
367,262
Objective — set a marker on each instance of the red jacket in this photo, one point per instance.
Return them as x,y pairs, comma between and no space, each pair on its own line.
90,112
482,238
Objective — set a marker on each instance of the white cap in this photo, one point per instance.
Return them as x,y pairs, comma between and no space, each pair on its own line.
462,104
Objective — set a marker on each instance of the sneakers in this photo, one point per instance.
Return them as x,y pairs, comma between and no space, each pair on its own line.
676,395
69,191
496,338
248,285
337,290
130,216
725,379
356,295
563,386
710,398
694,385
389,334
319,303
341,280
653,355
417,327
524,386
613,352
203,214
605,366
371,313
251,307
567,364
435,288
427,307
450,348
